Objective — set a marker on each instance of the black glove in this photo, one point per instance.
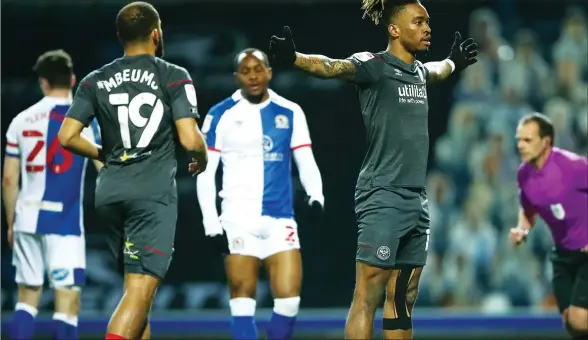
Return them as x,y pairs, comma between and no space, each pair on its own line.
282,50
316,210
220,244
463,54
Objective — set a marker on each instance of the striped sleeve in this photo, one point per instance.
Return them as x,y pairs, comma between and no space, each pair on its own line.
180,87
300,133
12,147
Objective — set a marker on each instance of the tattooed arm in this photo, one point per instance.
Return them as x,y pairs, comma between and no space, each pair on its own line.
324,67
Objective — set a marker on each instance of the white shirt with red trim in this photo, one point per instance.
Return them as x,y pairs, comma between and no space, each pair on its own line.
255,143
50,200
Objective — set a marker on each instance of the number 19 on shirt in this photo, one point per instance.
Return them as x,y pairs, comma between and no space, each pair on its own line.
130,111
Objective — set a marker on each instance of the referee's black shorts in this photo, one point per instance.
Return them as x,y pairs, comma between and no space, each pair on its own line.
570,278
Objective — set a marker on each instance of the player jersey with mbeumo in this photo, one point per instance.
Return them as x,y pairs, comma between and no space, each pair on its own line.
137,100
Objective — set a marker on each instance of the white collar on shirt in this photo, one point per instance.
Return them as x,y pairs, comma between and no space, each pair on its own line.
237,96
58,100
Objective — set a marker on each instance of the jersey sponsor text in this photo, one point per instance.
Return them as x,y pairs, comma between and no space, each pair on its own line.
412,94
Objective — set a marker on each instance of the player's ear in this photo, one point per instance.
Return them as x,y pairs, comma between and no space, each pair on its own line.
393,31
270,74
155,36
44,84
73,80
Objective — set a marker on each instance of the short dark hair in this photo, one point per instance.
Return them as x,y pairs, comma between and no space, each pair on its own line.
544,123
250,50
136,21
376,9
56,67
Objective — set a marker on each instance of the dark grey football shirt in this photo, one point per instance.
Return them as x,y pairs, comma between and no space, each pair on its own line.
136,101
393,100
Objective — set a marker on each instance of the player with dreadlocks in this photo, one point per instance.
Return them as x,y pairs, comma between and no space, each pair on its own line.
390,198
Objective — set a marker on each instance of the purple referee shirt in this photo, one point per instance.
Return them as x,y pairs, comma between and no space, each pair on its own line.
559,194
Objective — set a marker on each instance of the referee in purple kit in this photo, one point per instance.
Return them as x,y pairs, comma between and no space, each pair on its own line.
553,185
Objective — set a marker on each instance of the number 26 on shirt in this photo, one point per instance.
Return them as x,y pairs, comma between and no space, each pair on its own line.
55,165
129,111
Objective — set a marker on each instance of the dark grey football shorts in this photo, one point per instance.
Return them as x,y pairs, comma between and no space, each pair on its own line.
393,226
140,233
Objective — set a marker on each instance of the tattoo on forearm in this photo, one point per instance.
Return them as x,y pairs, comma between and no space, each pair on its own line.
325,67
307,63
340,68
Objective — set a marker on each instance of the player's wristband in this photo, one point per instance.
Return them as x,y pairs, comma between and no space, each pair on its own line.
452,64
524,230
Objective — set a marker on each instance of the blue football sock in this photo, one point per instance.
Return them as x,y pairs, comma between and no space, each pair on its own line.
243,318
60,326
243,327
72,327
23,321
280,326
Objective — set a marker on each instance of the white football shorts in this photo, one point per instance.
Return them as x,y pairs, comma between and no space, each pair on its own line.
272,236
62,257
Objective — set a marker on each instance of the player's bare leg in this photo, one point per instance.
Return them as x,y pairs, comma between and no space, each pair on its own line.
401,295
576,322
146,334
370,284
131,314
146,331
67,308
242,274
285,273
23,323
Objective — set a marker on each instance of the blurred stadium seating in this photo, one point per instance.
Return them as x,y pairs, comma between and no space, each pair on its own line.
534,57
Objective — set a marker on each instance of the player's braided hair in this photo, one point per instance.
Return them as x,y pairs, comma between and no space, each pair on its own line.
373,9
376,9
